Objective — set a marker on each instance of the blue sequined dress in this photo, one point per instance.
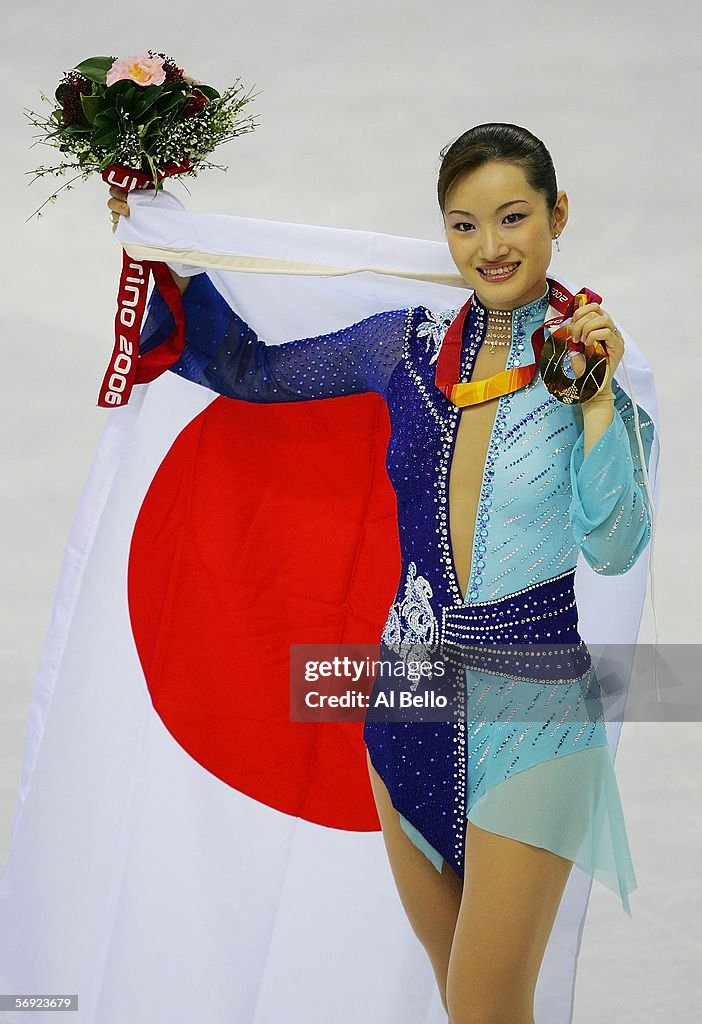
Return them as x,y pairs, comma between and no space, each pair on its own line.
524,752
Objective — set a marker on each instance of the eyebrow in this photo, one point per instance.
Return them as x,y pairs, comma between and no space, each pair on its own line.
502,207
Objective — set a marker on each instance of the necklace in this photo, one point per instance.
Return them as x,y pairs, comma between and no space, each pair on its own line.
498,344
499,328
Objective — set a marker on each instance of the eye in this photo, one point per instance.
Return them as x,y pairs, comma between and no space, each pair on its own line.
459,225
519,216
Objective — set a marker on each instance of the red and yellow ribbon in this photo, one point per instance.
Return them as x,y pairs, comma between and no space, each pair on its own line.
448,364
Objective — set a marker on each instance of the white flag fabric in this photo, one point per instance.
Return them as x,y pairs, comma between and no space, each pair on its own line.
152,872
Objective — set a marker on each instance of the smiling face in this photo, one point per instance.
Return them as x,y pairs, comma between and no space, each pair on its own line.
500,231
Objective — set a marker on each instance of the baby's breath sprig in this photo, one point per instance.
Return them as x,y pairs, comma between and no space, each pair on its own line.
67,185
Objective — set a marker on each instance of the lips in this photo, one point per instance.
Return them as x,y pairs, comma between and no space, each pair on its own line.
499,271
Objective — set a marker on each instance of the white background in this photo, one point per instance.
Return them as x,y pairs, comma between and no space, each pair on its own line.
356,100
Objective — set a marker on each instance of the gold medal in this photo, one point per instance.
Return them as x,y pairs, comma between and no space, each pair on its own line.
568,383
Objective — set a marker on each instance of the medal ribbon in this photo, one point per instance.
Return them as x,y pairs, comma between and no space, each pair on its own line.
448,364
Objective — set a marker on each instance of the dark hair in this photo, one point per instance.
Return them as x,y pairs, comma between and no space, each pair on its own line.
507,142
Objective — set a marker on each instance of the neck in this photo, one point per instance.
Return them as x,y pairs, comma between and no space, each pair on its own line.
497,316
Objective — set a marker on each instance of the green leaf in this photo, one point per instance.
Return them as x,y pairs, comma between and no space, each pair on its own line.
176,87
107,118
145,101
152,166
106,137
106,161
95,68
91,107
150,130
173,101
76,129
119,89
208,92
130,94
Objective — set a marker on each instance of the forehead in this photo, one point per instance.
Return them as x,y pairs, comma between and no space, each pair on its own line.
490,185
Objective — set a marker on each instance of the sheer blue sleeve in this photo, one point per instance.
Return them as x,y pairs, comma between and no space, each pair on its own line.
224,354
609,509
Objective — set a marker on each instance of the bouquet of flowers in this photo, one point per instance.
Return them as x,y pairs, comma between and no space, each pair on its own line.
141,114
136,121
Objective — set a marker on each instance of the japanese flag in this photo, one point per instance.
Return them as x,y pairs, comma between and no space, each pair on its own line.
182,851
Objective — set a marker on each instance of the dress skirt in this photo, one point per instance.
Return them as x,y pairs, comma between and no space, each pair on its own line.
510,736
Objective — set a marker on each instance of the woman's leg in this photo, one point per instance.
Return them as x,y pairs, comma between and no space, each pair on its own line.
430,898
511,895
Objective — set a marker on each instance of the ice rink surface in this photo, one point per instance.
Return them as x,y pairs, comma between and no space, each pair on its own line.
355,103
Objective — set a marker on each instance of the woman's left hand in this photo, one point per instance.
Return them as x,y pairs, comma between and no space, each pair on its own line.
594,327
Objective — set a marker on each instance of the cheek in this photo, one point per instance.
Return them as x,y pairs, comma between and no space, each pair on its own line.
537,242
454,248
460,245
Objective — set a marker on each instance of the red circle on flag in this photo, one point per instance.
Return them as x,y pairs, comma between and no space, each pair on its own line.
266,525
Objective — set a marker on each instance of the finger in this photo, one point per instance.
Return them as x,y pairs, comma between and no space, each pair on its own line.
577,325
117,193
603,336
118,207
592,307
589,307
602,328
584,323
595,322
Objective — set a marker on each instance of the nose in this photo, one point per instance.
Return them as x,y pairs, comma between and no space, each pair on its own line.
494,246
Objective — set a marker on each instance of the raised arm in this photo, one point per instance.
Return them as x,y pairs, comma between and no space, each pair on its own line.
609,508
224,354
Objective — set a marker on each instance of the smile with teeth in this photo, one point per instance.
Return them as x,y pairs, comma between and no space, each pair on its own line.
498,272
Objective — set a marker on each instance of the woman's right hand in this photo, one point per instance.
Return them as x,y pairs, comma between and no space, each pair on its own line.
118,205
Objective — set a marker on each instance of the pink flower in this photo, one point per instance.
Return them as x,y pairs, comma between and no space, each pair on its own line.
142,69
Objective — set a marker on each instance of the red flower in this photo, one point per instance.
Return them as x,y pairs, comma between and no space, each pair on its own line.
69,92
197,102
173,72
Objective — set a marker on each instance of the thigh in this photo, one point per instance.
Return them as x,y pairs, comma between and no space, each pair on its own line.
430,898
511,895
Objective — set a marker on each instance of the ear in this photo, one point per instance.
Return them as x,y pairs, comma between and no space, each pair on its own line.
559,217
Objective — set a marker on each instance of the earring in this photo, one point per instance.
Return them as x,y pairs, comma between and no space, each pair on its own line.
558,247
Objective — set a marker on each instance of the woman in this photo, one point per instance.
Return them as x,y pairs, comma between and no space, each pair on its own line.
482,816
